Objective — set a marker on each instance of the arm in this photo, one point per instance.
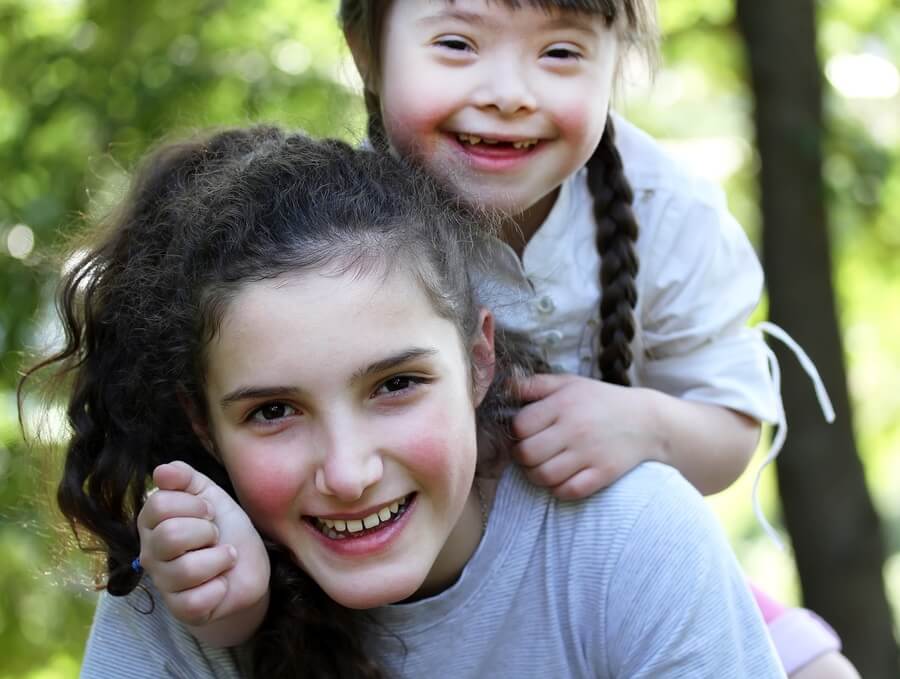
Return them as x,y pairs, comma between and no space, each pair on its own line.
710,445
578,435
677,604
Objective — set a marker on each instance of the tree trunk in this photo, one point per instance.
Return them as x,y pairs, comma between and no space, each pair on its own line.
827,508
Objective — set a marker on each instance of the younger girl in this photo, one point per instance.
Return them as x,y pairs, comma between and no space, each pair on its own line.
294,319
622,266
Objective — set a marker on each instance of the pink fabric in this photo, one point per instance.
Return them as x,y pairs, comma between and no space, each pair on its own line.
800,636
770,608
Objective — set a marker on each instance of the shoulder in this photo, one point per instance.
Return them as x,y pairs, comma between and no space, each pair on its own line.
634,513
135,635
671,201
650,167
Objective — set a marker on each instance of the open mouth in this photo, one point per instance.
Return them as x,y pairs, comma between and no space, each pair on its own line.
341,529
477,141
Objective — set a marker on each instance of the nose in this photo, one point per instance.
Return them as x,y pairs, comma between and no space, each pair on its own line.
350,462
506,87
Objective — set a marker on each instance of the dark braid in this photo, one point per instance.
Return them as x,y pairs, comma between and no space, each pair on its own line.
617,231
374,122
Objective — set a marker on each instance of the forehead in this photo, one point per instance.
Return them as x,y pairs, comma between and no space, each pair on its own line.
316,325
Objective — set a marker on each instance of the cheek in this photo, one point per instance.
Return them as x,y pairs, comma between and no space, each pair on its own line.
412,116
266,492
440,451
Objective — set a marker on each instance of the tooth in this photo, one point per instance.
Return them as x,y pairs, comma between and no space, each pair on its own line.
490,141
340,525
384,514
402,501
395,507
474,140
354,525
328,522
371,521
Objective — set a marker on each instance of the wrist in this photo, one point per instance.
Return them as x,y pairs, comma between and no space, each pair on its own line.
655,421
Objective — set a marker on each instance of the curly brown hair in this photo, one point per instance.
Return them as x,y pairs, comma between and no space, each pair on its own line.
203,218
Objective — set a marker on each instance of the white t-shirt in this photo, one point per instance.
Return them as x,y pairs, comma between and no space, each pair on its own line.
698,281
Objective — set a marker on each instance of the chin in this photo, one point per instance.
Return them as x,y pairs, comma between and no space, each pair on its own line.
379,592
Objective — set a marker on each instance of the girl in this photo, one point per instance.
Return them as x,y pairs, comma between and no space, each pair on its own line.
295,319
508,102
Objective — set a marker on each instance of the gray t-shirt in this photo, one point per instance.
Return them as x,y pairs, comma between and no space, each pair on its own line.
635,581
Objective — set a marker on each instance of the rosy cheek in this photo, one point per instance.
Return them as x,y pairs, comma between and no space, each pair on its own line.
440,453
266,492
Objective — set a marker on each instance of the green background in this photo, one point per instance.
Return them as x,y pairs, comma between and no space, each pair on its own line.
86,86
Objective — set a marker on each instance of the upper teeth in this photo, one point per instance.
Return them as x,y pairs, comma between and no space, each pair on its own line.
370,521
473,139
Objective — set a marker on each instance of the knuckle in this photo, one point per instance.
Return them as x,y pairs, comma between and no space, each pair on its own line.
542,476
168,533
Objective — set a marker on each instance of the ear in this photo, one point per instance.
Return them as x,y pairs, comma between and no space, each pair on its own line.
199,422
361,58
483,355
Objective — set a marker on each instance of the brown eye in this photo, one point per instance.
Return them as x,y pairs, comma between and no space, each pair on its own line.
399,384
271,412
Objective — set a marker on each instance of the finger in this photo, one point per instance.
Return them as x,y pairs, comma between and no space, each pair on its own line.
194,568
196,606
174,538
536,387
534,418
582,484
555,471
168,504
538,448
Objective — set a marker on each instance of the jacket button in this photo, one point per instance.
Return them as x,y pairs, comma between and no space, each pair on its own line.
553,338
545,305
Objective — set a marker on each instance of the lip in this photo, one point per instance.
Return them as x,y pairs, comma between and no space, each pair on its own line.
495,158
369,544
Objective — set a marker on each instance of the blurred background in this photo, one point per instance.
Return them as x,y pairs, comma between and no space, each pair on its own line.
793,106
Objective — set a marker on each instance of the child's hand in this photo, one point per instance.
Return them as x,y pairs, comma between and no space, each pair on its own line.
578,435
201,550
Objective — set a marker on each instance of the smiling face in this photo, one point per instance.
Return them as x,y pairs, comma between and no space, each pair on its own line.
343,410
504,103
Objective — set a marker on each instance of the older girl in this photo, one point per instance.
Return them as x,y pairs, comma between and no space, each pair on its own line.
293,320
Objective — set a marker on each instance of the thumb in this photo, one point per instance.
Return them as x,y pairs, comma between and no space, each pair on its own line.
181,476
537,387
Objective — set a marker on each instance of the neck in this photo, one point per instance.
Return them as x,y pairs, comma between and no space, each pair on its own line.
459,548
517,231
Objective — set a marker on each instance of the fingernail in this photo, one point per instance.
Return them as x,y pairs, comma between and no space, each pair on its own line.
209,510
232,551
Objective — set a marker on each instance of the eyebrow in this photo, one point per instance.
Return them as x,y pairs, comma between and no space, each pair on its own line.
564,20
380,366
248,393
390,362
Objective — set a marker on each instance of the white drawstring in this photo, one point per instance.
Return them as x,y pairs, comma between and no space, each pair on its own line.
781,422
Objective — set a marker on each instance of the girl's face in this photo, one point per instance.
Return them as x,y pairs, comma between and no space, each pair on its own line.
504,103
343,409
